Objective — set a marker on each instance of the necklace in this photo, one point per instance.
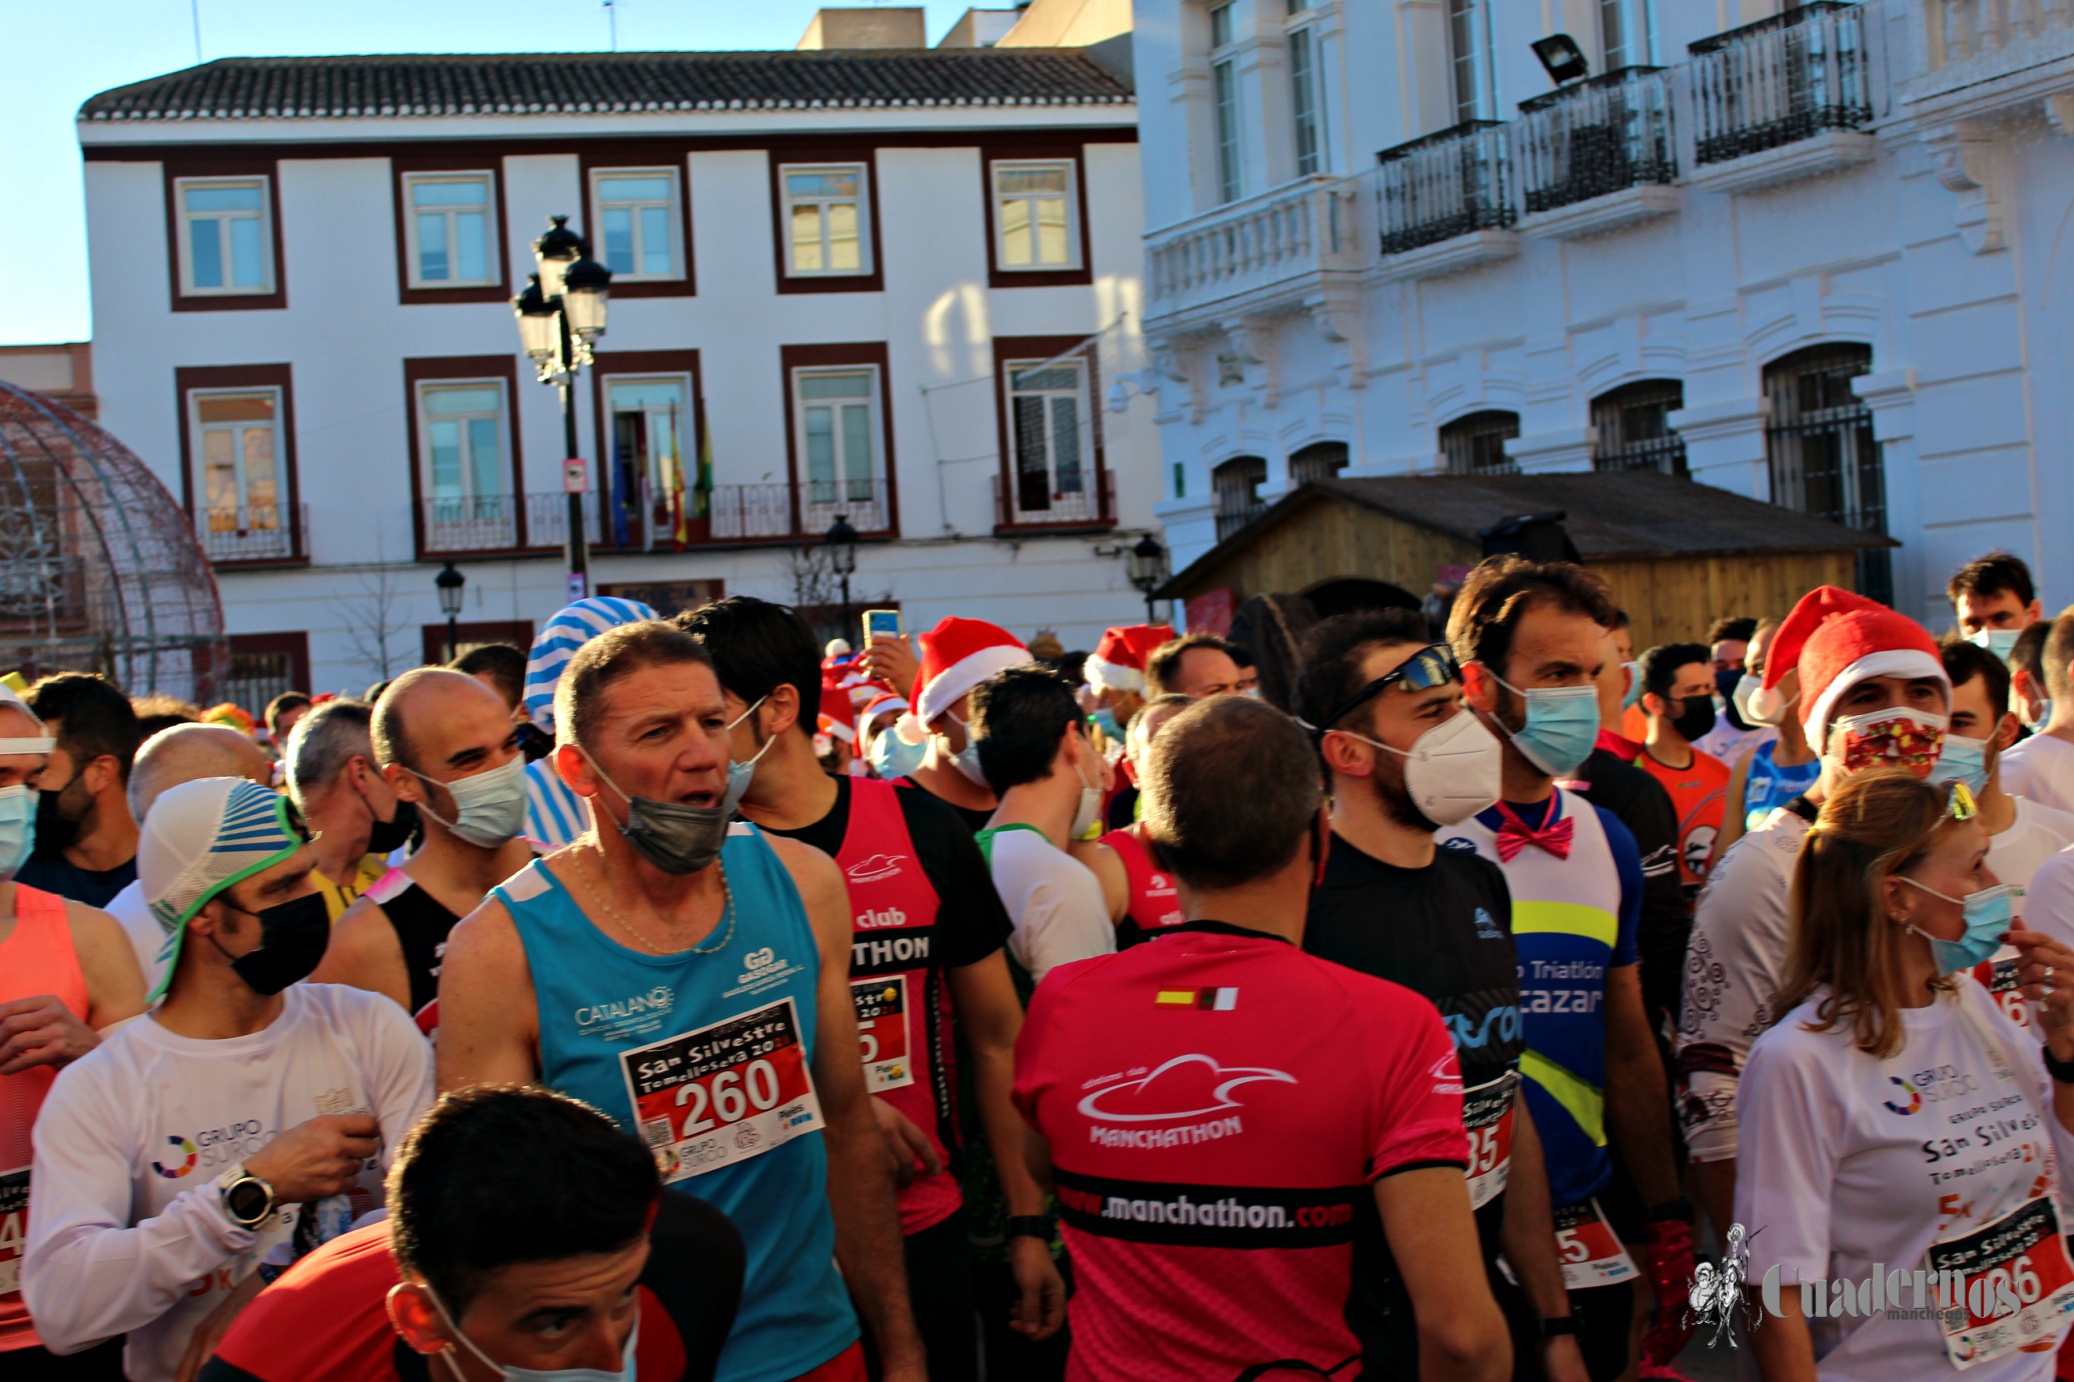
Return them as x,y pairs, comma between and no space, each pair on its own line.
726,892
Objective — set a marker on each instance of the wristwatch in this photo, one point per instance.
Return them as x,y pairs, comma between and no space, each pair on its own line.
1558,1326
246,1198
2062,1071
1030,1226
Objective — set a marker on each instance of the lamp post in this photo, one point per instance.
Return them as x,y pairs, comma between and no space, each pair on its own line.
450,580
559,315
842,558
1148,569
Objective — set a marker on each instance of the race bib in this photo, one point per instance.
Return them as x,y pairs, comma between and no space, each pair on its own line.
1487,1114
1998,977
14,1227
882,1031
2019,1284
1590,1254
723,1093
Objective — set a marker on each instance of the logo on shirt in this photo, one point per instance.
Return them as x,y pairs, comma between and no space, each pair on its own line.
1915,1098
1502,1021
1460,844
873,918
656,1001
1191,1086
1486,928
179,1167
875,869
1447,1074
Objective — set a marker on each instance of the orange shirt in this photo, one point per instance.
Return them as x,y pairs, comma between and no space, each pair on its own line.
1699,794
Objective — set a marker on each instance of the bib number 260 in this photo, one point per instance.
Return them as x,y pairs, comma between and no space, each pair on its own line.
723,1093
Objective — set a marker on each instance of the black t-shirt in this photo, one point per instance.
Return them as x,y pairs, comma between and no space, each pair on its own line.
1443,931
975,820
54,873
1644,807
971,923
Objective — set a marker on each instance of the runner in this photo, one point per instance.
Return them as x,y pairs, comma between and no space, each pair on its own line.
446,747
1732,736
1874,693
358,819
2028,696
2042,766
1868,1138
957,655
1404,759
887,753
1143,900
1778,769
244,1122
1678,699
691,979
1994,600
1227,1116
282,714
1196,666
86,839
525,1229
928,946
1115,672
554,814
1532,638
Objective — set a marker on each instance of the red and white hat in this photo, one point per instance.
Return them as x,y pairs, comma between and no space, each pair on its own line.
879,705
1838,639
1118,662
957,655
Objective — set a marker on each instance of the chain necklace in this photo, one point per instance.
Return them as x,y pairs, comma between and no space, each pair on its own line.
726,892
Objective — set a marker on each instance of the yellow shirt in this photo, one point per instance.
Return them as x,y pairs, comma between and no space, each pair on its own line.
339,896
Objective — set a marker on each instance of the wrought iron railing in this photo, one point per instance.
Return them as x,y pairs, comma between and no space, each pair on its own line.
862,502
252,533
1779,80
1449,183
1601,135
473,523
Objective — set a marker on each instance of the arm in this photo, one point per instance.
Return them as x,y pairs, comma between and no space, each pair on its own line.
991,1017
365,954
1732,817
860,1177
399,1074
1638,1101
1528,1237
1785,1351
41,1030
1116,884
1432,1236
488,1016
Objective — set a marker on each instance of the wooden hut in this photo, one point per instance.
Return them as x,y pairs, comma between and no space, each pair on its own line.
1676,554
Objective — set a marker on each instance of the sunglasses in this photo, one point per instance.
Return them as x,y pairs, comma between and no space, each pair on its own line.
1959,803
1431,666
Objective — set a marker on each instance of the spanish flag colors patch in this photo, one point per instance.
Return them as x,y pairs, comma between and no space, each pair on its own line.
1215,1000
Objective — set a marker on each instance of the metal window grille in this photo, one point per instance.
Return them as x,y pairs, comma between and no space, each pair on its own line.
1475,445
1823,456
256,678
1236,484
1634,430
1321,461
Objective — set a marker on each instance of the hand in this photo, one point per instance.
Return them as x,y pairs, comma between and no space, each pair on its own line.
201,1345
41,1031
1041,1312
892,660
1671,1265
1562,1360
318,1159
905,1143
2045,972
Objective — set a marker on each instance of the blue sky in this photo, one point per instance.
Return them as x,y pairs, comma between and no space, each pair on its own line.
63,51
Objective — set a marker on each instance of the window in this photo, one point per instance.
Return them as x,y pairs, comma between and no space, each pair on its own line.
1626,36
1048,425
452,231
637,222
1035,216
1475,445
649,484
1320,461
838,423
241,484
264,665
1303,100
1824,458
225,236
1236,484
1634,430
1470,51
1220,27
1225,90
466,474
825,220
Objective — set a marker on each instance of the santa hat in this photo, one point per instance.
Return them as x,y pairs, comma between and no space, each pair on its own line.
1118,662
879,705
1838,639
957,655
837,717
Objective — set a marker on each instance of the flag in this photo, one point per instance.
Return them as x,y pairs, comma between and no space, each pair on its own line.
1214,1000
679,530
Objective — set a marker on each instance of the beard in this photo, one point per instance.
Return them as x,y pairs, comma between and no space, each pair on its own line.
1397,803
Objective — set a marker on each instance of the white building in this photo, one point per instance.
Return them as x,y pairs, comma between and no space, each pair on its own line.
1818,256
834,272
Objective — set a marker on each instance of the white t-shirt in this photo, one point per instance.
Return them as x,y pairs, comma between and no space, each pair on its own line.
147,937
1850,1161
2038,833
1054,901
1728,743
129,1234
2042,769
1732,968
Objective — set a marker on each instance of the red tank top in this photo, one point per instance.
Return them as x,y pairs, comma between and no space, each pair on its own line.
37,959
1155,904
903,1005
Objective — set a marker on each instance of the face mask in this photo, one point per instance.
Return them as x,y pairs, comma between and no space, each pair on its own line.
2000,642
489,808
1697,720
1452,771
1757,706
1105,721
1887,739
892,756
1562,725
1963,760
966,760
1725,683
1090,808
1634,691
56,830
1987,915
2043,718
1251,693
292,940
17,829
516,1374
388,836
674,837
740,775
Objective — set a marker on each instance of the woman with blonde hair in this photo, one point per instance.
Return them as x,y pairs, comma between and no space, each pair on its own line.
1895,1121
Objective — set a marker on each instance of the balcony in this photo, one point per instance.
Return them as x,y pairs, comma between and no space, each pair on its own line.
1030,505
1780,99
256,535
1267,253
1596,154
1445,202
736,515
491,523
1976,58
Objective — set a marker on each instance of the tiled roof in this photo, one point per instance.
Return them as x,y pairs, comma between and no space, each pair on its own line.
426,84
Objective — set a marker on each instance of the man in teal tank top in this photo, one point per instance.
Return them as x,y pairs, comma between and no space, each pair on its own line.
690,977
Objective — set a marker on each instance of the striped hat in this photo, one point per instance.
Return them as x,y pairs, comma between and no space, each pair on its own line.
202,837
569,630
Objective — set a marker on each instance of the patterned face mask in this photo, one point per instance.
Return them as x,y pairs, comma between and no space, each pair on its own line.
1888,739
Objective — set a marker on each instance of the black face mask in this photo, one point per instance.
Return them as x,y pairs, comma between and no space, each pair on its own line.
1696,720
1725,682
292,939
534,742
385,837
55,831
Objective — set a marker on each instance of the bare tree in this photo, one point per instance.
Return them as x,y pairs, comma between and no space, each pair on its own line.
373,623
817,595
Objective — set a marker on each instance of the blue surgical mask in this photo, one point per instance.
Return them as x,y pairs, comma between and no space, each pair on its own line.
2041,719
1988,914
1105,721
2000,642
892,756
1562,725
625,1372
740,775
17,828
1963,760
489,808
1634,691
966,760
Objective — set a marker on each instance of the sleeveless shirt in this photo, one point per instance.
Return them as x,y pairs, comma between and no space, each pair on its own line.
1155,903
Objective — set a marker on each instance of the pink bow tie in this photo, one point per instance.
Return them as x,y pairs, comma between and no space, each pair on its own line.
1515,835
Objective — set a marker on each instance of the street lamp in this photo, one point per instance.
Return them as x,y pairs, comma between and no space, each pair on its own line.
450,580
560,315
1148,569
842,557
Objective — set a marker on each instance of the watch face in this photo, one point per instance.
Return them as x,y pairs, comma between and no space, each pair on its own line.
247,1201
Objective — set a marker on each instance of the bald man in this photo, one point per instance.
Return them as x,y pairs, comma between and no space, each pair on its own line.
445,743
183,753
